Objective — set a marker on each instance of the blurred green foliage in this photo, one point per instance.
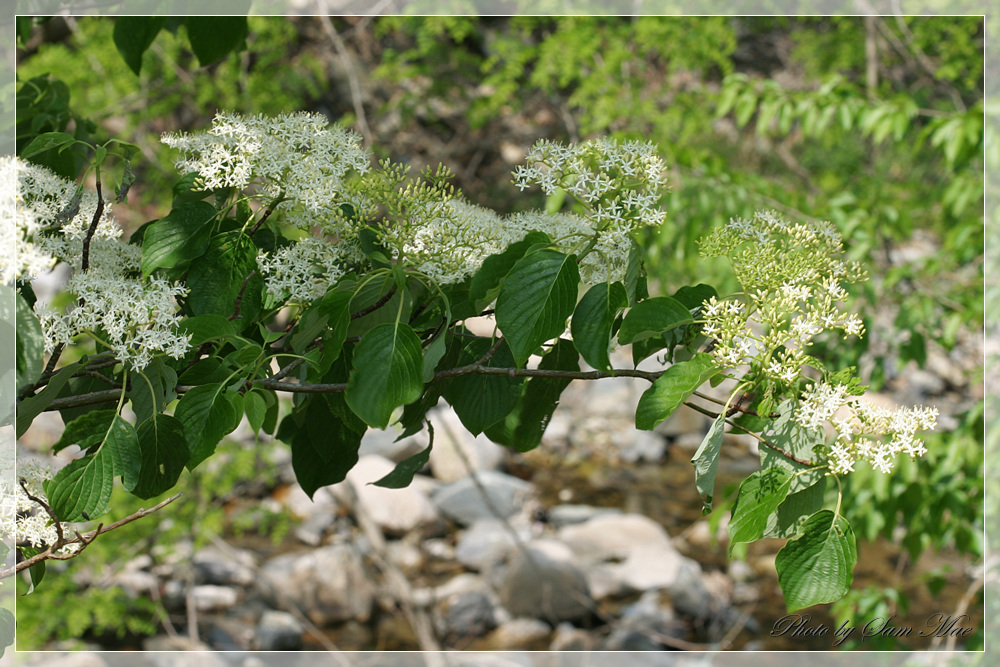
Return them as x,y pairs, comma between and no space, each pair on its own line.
111,614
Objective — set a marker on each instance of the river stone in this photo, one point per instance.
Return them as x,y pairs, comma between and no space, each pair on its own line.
456,450
396,511
613,537
543,582
570,638
528,634
566,515
463,500
643,446
640,625
488,541
383,443
279,631
328,584
315,527
470,615
230,567
209,597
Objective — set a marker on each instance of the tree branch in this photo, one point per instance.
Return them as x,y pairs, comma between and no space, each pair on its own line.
85,260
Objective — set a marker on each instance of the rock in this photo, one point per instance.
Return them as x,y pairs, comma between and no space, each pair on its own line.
643,446
328,584
405,556
279,631
688,593
301,505
456,450
643,626
383,443
315,527
527,634
543,582
157,649
230,567
396,511
569,638
488,541
69,660
566,515
137,582
632,548
470,615
208,597
464,502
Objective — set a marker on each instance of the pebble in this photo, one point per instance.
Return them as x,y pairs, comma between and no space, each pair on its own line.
463,501
279,631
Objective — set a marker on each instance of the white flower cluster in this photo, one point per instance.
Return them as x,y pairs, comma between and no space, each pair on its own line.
451,246
134,317
792,277
298,159
34,201
30,523
304,271
619,182
868,432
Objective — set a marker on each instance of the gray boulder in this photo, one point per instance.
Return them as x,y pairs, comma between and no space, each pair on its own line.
464,501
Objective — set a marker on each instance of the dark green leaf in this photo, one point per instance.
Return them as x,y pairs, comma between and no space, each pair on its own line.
87,430
133,35
652,317
817,566
706,462
256,409
541,396
204,328
178,238
537,297
164,452
482,400
46,142
485,285
759,497
402,475
324,448
671,390
84,486
387,373
152,389
207,414
217,279
32,406
29,343
213,37
794,511
593,320
787,435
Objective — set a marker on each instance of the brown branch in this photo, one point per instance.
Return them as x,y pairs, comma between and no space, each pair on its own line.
80,400
239,297
85,260
48,510
263,218
375,306
86,539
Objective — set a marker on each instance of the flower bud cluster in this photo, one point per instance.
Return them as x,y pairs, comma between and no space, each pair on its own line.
296,159
867,432
792,278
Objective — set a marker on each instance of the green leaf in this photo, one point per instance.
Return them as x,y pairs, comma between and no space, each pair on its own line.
204,328
593,320
541,396
37,571
255,406
387,372
207,415
324,447
694,296
84,486
817,566
213,37
46,142
759,496
86,430
133,35
332,311
217,279
178,238
537,297
152,389
485,285
402,475
29,343
706,462
164,451
32,406
652,317
6,629
789,436
671,390
482,400
794,511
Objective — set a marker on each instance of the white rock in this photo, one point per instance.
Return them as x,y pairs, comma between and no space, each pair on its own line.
394,510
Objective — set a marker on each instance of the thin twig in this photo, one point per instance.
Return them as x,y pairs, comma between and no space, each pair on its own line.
48,510
352,75
263,218
375,306
85,259
239,297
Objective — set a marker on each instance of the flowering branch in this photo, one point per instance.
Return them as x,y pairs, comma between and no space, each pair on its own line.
84,540
85,259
